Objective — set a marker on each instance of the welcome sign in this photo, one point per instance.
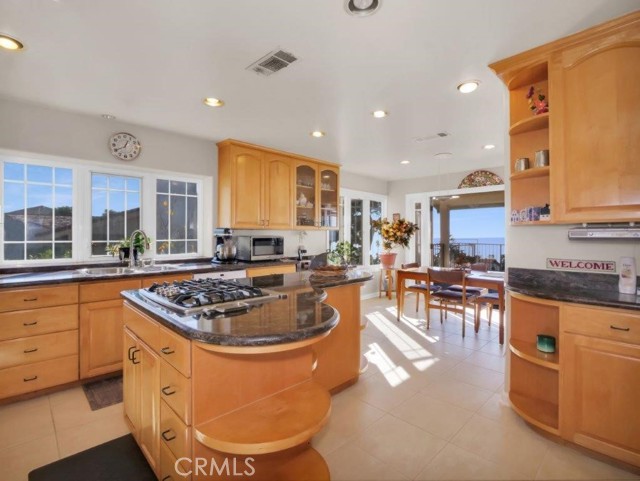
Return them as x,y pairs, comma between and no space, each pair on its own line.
581,265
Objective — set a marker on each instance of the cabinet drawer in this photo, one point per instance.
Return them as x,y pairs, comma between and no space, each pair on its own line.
174,433
38,348
614,324
34,297
176,350
142,326
105,291
168,466
267,271
38,375
32,322
175,390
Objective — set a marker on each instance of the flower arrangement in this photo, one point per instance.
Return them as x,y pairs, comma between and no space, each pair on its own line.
395,233
537,103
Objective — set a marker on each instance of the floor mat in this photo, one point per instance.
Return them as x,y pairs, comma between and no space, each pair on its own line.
117,460
101,394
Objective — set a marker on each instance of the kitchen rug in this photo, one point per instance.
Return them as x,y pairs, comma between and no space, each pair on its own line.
117,460
101,394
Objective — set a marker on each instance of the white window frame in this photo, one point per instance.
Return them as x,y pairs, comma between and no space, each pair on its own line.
366,197
81,174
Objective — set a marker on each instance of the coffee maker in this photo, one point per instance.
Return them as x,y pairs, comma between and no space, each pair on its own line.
225,246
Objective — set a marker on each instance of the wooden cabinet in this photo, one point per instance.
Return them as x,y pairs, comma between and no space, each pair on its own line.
271,270
259,188
601,380
591,128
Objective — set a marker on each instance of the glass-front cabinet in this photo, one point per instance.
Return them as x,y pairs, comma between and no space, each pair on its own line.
328,197
316,196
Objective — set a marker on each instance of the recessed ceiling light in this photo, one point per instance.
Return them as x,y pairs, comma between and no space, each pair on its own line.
317,134
10,43
489,147
455,196
443,155
405,162
361,7
213,102
108,117
468,86
380,114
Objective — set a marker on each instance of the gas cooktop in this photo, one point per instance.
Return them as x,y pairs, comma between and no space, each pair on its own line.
208,295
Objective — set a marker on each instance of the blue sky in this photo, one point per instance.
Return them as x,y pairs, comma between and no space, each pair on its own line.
474,223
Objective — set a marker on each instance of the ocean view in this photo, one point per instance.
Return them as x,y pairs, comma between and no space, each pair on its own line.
477,240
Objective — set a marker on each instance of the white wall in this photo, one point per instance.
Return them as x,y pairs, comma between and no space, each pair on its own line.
363,183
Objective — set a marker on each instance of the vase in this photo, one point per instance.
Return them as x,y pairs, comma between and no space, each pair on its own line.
388,259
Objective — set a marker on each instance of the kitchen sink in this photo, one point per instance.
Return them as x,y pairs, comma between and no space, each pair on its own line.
107,271
157,268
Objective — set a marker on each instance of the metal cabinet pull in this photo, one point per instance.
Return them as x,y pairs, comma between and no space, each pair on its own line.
129,354
27,379
167,478
164,435
626,329
133,357
27,351
30,299
167,391
26,324
167,350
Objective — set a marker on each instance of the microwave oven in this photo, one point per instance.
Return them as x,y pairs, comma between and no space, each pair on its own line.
259,248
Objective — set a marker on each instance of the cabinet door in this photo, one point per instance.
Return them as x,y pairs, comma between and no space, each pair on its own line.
278,192
130,389
306,195
600,395
149,394
246,188
100,338
329,197
595,130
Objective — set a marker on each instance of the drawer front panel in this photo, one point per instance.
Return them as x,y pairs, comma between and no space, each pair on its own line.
38,348
142,326
35,297
174,433
176,350
38,375
33,322
615,324
106,291
175,390
168,466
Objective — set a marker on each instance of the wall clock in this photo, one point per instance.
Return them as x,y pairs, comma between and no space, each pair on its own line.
124,146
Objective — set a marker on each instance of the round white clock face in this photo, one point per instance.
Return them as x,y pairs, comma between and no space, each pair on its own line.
124,146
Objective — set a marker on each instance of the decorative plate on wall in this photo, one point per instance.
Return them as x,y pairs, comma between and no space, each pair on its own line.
480,178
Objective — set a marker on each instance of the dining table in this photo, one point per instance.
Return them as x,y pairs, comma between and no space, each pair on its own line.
486,280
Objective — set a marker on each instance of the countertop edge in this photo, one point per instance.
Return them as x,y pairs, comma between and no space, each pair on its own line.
580,297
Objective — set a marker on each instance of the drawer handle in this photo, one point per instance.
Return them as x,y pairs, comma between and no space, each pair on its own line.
130,353
167,478
626,329
27,379
167,391
27,324
30,299
164,435
167,350
133,357
27,351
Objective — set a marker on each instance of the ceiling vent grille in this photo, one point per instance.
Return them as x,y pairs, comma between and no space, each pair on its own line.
272,62
426,138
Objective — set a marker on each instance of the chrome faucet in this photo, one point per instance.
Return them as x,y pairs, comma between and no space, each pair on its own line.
132,238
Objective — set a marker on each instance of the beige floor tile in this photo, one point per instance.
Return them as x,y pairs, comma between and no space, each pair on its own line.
384,391
349,416
436,417
457,393
499,409
477,376
453,463
352,464
562,462
487,361
516,449
495,349
25,421
17,461
401,445
71,408
85,436
468,342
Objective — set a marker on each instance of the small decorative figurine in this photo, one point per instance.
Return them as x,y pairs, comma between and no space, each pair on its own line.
537,103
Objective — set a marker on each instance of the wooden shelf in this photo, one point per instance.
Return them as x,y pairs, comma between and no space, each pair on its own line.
530,173
303,207
535,122
529,352
538,412
305,186
278,422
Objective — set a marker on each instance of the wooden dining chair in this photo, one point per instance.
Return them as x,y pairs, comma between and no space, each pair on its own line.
447,299
419,287
488,300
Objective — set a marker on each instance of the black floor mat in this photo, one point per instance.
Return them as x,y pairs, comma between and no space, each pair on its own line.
116,460
101,394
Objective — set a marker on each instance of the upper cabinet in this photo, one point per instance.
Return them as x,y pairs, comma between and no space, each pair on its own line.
590,125
261,188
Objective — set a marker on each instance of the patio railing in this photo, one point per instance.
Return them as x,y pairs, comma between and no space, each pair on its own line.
468,253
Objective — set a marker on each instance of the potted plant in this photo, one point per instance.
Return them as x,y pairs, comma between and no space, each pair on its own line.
396,233
123,248
343,253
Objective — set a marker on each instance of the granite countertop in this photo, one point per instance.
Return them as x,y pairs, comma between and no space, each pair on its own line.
578,287
300,315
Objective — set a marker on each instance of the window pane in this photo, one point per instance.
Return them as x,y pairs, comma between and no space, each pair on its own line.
116,183
356,230
375,213
63,250
178,247
14,220
162,216
192,188
192,218
13,171
133,184
63,213
39,213
178,187
162,186
192,247
98,181
14,252
98,248
176,217
99,215
39,173
178,221
64,176
39,251
116,215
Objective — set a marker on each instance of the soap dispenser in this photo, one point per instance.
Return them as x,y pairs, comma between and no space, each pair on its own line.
628,275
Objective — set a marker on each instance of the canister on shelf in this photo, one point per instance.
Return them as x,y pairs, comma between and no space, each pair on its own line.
542,158
522,164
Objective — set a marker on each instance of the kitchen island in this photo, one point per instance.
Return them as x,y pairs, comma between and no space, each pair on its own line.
240,391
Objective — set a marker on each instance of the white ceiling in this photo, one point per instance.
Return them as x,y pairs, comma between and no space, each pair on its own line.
152,62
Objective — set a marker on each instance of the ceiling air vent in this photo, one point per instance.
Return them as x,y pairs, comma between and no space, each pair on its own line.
426,138
272,62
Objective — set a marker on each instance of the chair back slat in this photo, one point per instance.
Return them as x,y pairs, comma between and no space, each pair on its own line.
447,276
410,265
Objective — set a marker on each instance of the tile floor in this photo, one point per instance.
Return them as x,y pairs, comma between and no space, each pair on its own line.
431,406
